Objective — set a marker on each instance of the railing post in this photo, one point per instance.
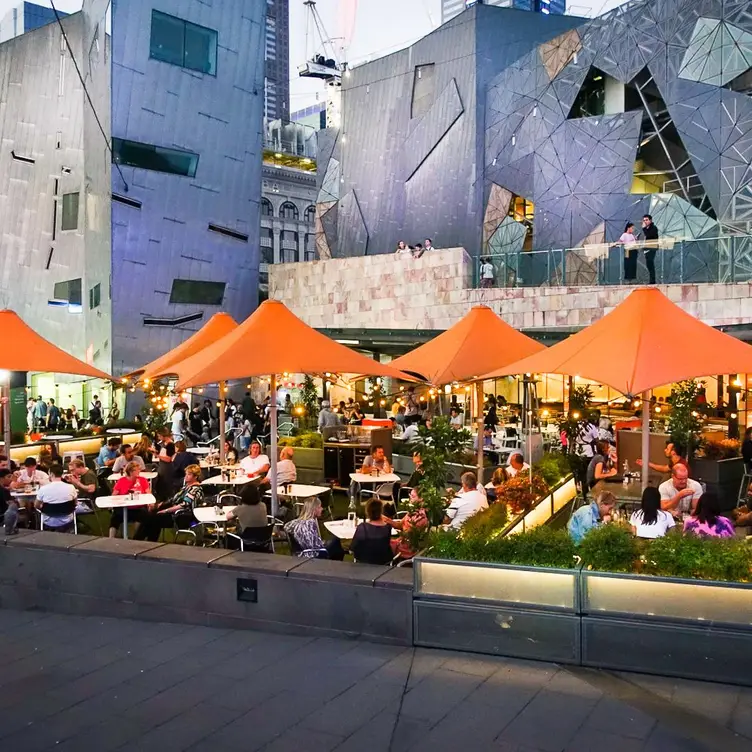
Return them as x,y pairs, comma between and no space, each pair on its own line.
564,267
681,262
732,259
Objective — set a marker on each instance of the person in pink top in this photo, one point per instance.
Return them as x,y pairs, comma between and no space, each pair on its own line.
131,481
706,521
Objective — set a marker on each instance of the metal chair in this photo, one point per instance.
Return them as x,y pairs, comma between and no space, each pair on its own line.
297,550
385,493
57,511
259,539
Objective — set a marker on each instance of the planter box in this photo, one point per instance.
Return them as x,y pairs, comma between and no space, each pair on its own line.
309,464
690,628
500,609
723,477
546,508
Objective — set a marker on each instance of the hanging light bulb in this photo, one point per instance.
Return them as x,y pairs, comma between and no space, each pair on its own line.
657,408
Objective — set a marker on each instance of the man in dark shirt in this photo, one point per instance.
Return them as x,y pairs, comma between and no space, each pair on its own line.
650,233
6,476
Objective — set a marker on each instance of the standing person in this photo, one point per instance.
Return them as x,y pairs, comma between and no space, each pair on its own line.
53,415
165,451
650,233
30,405
327,418
40,413
248,405
428,246
95,411
195,430
114,415
628,241
486,273
411,403
178,423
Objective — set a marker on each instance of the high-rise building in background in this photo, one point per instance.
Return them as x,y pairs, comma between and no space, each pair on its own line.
452,8
25,17
277,57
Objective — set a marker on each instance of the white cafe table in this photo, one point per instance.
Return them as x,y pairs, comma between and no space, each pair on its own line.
121,431
59,437
125,502
345,529
207,466
148,474
209,516
201,450
218,481
301,491
361,478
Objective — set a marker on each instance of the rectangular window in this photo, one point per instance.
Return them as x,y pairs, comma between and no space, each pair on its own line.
197,293
69,220
69,291
424,84
183,43
157,158
95,296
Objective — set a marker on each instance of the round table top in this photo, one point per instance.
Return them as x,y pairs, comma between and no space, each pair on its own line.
209,514
345,529
120,431
217,481
301,491
19,494
201,450
381,478
110,502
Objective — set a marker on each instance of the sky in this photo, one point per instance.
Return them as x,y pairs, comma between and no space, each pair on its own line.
362,29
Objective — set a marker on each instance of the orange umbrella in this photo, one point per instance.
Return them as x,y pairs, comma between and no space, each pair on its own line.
214,329
475,345
25,350
272,341
645,342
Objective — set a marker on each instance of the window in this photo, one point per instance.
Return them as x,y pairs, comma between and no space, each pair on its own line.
267,255
309,255
591,99
69,219
289,256
182,43
424,85
68,291
310,215
267,210
157,158
228,232
95,296
288,210
198,293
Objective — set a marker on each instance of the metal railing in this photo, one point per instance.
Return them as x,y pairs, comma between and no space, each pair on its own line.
725,259
286,137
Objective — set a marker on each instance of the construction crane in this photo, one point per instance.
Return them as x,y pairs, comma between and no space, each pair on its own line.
323,66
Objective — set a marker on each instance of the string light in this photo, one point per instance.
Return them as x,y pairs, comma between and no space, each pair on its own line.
636,403
576,415
658,408
734,416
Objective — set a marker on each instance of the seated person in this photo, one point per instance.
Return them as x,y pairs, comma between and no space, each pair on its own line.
160,515
680,493
131,481
706,520
108,454
498,479
466,503
674,456
181,460
411,432
415,519
231,455
6,464
81,478
127,455
591,515
256,464
599,466
516,464
57,492
371,543
487,439
307,538
8,504
455,419
417,474
357,416
376,461
30,475
286,470
251,512
650,521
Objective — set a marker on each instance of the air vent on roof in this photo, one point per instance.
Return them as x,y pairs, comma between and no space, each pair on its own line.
173,322
19,158
228,232
127,201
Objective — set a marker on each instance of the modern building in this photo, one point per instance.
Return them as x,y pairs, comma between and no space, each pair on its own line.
24,17
452,8
277,60
313,116
505,131
129,212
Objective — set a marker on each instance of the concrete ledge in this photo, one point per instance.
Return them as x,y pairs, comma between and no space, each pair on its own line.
158,582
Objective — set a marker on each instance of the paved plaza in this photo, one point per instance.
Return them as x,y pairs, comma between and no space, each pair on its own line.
74,684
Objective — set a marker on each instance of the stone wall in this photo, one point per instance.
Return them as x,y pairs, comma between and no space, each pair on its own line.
435,291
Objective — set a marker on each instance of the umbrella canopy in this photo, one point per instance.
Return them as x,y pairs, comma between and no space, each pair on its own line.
25,350
214,329
478,343
645,342
273,341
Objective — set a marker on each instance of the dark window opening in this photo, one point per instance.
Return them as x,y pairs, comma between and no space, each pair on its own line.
95,296
68,291
288,210
182,43
49,258
179,321
424,89
310,215
228,232
157,158
127,201
19,158
69,220
591,99
267,210
741,84
187,291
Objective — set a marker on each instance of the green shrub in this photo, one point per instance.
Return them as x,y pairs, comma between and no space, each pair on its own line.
311,440
553,468
692,557
609,548
292,441
487,523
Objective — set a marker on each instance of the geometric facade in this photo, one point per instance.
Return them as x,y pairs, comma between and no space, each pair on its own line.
592,122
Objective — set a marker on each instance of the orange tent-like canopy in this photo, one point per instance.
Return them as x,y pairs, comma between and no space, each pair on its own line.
24,350
645,342
273,341
477,343
213,330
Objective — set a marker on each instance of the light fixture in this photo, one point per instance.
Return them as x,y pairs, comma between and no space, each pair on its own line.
657,408
636,403
734,416
576,415
695,414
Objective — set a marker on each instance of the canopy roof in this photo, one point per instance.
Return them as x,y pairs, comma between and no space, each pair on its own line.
479,342
273,341
214,329
24,350
645,342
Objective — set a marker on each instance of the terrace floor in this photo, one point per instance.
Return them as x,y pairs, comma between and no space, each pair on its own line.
73,683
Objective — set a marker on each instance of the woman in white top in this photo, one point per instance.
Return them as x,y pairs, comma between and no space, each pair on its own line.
650,521
628,240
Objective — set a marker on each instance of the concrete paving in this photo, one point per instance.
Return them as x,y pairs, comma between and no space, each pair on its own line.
75,684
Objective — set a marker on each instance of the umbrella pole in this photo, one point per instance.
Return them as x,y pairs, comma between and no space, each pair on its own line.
273,458
645,438
6,413
221,417
479,415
